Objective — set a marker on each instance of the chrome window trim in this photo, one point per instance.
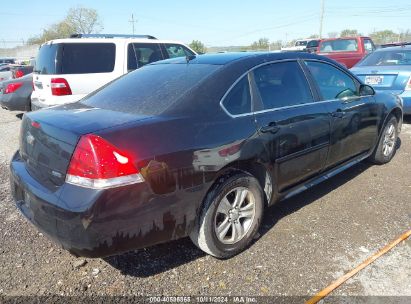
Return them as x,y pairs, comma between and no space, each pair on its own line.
267,110
287,107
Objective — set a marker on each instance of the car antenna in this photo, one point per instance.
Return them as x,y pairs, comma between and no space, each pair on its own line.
190,57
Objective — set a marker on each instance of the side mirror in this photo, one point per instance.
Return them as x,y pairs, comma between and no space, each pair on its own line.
366,90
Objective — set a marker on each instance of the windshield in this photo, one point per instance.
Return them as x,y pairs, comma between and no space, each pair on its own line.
301,43
390,57
340,45
150,90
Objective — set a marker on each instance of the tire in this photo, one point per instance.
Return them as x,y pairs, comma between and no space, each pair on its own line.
386,147
237,226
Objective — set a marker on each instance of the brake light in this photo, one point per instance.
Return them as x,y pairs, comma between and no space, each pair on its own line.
60,87
98,164
408,85
12,87
18,74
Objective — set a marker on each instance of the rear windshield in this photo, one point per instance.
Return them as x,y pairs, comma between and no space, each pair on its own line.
382,58
340,45
150,90
83,58
76,58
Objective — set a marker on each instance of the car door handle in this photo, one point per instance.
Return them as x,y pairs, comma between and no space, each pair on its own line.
270,128
338,114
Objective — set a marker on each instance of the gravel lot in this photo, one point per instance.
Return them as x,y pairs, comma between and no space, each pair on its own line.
306,243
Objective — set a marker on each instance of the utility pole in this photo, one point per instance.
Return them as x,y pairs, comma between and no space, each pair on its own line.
132,21
321,18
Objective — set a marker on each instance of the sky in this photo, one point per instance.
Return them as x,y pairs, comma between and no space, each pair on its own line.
215,23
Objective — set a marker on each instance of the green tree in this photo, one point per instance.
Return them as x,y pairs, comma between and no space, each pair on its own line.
261,44
385,36
78,20
198,46
349,33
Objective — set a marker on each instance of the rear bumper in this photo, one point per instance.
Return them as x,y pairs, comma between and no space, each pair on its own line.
37,102
98,223
13,102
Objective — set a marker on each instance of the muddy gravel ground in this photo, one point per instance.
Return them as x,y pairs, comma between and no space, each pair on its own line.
306,243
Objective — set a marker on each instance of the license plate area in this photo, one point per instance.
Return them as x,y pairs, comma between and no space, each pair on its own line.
38,85
374,80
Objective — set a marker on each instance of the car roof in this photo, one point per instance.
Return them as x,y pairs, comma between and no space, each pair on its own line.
108,40
345,38
394,48
226,58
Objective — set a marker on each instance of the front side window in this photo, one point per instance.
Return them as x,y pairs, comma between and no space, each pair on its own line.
332,82
177,50
238,100
140,54
281,85
84,58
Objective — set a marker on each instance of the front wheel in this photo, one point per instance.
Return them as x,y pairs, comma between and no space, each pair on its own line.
386,147
230,216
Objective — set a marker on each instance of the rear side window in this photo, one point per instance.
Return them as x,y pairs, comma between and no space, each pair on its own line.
177,50
150,90
281,85
238,101
84,58
140,54
332,82
339,45
368,46
46,59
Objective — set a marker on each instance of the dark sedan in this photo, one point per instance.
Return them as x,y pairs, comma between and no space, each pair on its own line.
15,93
195,146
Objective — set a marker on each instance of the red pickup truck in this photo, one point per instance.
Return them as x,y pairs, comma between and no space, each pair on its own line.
347,50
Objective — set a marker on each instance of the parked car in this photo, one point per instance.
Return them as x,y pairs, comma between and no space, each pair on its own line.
15,93
5,72
348,50
11,71
388,70
301,45
7,60
87,62
117,170
312,46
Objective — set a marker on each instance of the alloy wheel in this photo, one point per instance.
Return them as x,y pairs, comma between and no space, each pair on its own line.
235,215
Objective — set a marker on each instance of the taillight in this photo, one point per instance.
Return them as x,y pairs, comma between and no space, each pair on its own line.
12,87
60,87
98,164
18,74
230,150
408,85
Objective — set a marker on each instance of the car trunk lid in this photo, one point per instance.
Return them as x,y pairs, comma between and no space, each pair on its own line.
392,78
48,137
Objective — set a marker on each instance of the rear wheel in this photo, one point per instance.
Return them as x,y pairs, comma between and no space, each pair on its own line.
386,148
230,216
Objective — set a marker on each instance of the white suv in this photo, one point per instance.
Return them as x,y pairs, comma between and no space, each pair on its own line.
66,70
